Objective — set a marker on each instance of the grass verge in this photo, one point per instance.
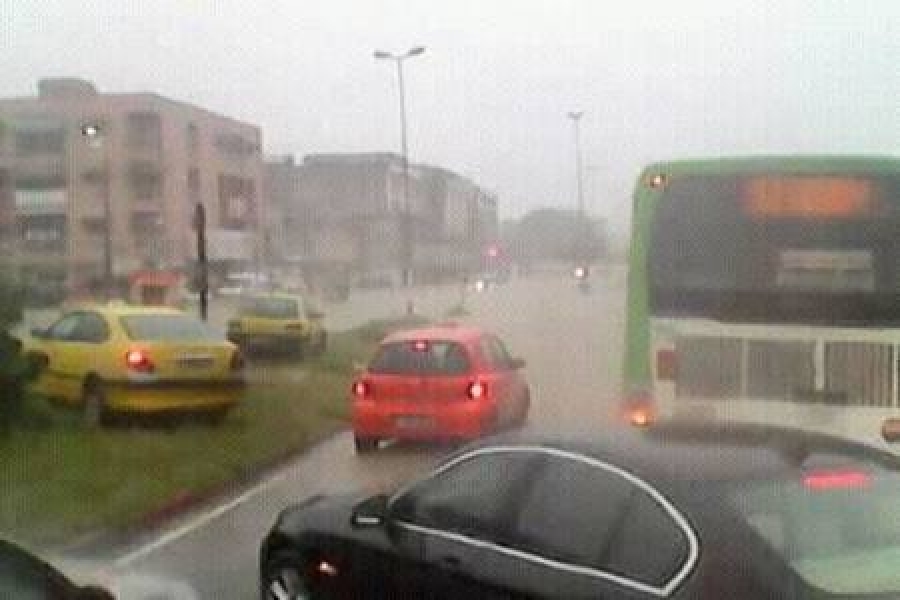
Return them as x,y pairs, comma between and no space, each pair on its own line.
61,481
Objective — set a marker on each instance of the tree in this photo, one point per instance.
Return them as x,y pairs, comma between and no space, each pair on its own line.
15,370
556,235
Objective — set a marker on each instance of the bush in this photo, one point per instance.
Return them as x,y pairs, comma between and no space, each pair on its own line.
15,370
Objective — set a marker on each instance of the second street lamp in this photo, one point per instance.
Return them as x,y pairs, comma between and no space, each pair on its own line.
580,220
407,232
94,135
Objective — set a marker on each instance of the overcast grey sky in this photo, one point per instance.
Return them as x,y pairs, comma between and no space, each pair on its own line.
656,79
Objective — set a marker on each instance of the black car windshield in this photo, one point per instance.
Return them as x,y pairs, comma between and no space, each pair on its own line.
778,248
153,328
839,530
420,358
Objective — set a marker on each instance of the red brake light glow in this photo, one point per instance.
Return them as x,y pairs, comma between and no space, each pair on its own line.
638,410
836,480
477,390
137,360
420,346
360,389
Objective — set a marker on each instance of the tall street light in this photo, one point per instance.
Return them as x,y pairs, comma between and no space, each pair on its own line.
407,233
94,135
579,240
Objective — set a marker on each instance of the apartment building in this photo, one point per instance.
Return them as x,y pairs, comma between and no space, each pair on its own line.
343,215
76,163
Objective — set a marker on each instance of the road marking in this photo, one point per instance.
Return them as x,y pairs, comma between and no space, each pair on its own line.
197,522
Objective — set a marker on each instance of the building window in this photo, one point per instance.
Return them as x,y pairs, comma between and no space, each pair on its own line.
40,141
94,225
145,180
237,202
233,144
43,232
144,131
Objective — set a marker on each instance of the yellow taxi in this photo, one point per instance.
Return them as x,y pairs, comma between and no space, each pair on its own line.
118,358
278,322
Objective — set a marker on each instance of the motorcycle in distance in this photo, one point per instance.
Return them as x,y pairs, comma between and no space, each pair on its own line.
581,274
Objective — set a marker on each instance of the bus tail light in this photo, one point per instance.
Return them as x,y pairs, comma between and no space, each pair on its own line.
666,364
638,410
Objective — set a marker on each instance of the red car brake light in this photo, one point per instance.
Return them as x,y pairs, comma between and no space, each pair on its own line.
836,480
361,389
137,360
476,390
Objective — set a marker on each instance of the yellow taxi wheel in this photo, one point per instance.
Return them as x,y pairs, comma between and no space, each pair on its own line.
93,400
215,417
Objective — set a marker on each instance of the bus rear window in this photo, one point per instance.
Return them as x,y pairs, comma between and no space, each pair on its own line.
778,248
839,531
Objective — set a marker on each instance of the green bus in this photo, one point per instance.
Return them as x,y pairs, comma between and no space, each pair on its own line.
766,289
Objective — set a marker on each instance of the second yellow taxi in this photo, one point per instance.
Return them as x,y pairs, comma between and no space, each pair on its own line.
277,322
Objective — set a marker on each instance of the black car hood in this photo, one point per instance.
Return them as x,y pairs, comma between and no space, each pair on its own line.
319,513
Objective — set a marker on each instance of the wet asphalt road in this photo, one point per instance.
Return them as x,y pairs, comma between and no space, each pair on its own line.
572,343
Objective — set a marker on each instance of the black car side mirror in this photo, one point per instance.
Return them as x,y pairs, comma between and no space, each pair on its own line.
890,430
517,363
93,592
371,512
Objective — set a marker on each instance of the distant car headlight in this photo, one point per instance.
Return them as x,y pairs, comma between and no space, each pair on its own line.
480,285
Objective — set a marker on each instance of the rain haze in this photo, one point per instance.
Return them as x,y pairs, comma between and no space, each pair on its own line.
489,96
235,324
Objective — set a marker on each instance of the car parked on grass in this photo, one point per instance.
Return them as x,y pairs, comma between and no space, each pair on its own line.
444,382
745,514
117,358
278,322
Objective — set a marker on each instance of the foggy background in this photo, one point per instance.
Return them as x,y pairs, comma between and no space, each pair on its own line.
656,80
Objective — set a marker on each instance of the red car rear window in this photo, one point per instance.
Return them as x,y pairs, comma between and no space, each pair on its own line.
433,357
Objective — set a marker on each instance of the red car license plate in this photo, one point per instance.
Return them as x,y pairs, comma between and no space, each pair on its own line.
414,422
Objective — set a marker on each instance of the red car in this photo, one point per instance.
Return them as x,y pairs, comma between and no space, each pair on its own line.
439,383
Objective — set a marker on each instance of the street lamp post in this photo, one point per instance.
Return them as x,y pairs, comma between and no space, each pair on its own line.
579,240
94,135
407,233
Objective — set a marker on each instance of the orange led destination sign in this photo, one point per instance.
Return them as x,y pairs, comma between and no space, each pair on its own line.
808,197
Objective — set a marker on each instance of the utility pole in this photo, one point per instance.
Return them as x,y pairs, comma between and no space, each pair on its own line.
581,229
407,233
202,275
94,135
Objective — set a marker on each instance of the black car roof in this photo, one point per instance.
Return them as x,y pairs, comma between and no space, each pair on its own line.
725,453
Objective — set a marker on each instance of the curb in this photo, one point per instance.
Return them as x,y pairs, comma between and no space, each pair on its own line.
110,542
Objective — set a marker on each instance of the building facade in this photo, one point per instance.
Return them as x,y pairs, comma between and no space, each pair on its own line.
70,152
344,216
